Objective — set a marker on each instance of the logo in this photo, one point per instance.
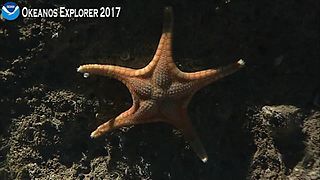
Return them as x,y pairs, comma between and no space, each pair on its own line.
10,11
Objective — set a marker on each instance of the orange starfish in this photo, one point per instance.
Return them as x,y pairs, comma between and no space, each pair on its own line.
160,91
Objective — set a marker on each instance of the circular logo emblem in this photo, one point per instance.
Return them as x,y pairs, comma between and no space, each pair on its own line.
10,11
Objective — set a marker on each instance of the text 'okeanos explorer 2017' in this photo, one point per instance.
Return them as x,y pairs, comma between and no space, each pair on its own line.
63,12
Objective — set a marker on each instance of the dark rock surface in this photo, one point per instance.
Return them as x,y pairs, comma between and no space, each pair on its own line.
260,123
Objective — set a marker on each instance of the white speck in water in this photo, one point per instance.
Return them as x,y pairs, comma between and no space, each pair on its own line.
86,75
55,35
277,61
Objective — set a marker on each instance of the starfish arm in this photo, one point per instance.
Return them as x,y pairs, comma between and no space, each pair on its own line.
190,82
164,49
163,52
112,124
107,70
135,115
179,119
165,46
212,74
167,20
205,77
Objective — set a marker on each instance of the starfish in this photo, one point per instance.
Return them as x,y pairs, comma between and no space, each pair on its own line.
160,91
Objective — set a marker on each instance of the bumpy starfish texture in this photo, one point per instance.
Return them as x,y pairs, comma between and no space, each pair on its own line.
160,91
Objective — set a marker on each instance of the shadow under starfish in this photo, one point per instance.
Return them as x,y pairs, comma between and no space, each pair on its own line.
160,91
